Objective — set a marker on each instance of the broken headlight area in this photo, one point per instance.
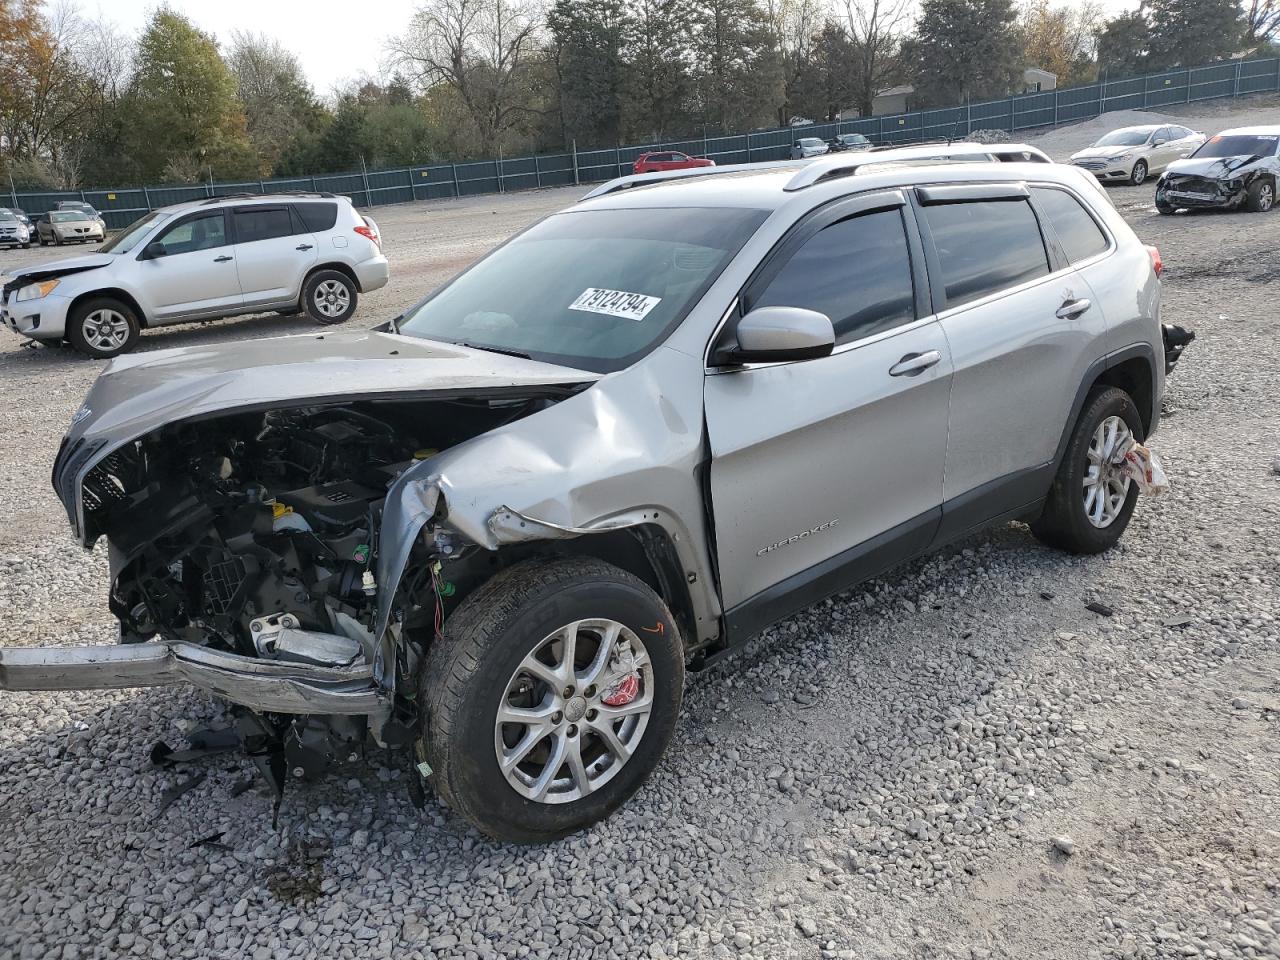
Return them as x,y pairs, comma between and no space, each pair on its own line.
219,530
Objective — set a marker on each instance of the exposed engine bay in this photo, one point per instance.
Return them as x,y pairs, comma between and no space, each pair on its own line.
225,531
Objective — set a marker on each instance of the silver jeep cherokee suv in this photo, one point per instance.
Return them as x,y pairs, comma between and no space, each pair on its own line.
202,260
493,534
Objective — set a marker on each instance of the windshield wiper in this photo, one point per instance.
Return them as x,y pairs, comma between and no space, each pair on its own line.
507,353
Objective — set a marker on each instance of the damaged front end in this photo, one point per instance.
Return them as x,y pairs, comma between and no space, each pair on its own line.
244,551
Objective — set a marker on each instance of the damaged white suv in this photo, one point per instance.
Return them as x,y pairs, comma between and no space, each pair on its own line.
493,535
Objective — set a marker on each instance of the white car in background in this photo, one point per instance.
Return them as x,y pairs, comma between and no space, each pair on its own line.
202,260
1131,154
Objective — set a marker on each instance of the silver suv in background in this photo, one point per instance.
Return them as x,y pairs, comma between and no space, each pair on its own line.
200,261
493,534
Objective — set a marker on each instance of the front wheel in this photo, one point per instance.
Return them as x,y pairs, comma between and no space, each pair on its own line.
1261,196
1164,207
329,297
1138,176
103,328
1091,500
550,697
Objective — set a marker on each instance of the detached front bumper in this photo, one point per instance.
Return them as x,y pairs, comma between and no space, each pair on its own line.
269,686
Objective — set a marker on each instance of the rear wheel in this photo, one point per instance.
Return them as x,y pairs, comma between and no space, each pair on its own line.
329,297
1138,176
550,697
102,328
1261,196
1091,501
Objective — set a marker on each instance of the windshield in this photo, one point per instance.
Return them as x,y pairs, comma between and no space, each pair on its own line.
853,138
1124,138
594,289
1238,146
128,238
809,141
66,216
7,217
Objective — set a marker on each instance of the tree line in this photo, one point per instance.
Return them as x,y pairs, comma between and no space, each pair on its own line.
81,103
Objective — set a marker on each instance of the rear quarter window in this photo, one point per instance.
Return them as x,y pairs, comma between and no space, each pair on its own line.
985,246
1078,232
317,217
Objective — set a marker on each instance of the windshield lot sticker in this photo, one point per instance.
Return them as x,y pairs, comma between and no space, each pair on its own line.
615,303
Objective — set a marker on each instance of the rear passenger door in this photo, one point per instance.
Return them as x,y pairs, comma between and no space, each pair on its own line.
1022,328
824,471
274,250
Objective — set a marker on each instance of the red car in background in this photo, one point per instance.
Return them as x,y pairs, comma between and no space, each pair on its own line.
668,160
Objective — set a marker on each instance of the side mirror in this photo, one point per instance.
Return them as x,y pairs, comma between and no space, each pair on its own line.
154,249
1158,142
778,335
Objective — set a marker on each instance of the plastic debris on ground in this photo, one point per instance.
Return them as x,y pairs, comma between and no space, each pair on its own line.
1143,467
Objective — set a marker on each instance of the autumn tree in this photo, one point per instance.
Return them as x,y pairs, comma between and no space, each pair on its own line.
1061,39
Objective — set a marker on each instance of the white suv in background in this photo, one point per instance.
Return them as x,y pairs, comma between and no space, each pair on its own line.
202,260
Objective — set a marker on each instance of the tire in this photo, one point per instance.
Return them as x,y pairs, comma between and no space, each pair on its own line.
90,321
57,240
1165,209
1138,175
329,297
27,245
1260,197
1065,523
478,663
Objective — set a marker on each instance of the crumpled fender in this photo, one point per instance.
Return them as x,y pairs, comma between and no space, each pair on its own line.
625,451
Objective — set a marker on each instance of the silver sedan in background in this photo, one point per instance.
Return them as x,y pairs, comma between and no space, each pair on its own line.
1131,154
64,226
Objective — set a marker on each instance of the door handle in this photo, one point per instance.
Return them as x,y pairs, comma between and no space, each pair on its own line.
303,246
1072,309
914,363
222,259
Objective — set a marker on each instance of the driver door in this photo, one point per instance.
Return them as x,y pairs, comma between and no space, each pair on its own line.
827,471
194,274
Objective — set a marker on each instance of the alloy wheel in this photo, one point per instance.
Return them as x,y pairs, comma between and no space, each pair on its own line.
1105,485
331,298
105,329
574,712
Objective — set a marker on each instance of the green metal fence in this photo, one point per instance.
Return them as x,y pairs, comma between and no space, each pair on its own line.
120,206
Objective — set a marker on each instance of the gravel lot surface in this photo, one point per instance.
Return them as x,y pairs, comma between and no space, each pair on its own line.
957,759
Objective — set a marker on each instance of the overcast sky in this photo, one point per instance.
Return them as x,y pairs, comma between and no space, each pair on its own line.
333,41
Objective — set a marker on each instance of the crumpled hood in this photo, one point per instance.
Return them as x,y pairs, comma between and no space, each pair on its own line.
1098,153
57,268
1211,167
141,392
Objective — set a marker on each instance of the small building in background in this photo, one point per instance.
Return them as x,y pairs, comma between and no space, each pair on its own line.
1035,80
893,100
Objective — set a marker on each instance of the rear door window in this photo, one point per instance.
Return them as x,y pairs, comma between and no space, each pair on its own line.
985,246
262,223
856,271
1079,233
317,217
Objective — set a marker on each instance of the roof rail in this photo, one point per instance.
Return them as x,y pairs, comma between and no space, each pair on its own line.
830,167
646,179
264,196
